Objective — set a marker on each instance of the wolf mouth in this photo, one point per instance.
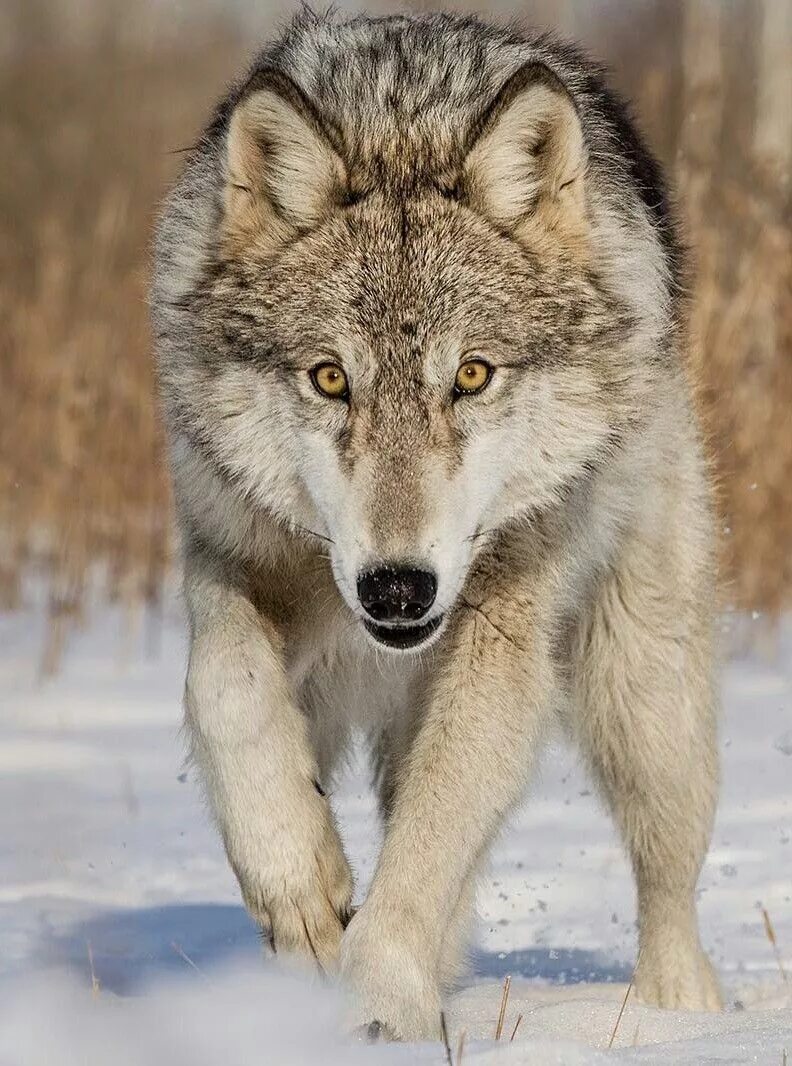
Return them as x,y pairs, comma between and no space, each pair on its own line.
403,637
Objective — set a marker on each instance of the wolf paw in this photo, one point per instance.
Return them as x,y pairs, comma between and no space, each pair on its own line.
396,997
677,980
300,894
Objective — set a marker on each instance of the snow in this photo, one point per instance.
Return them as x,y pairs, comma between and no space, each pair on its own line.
106,850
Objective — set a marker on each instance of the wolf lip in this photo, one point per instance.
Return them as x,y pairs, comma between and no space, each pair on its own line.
403,637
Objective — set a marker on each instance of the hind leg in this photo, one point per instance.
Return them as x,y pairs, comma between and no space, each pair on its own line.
646,722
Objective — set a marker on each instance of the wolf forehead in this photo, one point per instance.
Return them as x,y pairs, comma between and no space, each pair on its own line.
360,276
399,97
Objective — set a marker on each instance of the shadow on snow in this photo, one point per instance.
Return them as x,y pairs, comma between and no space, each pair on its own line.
130,948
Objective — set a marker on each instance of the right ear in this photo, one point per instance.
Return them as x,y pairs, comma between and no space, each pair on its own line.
282,173
526,169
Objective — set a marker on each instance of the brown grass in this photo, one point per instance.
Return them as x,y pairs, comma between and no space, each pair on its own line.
504,1003
87,136
773,941
623,1006
734,157
444,1035
88,139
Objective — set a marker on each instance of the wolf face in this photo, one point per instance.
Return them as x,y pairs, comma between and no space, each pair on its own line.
401,345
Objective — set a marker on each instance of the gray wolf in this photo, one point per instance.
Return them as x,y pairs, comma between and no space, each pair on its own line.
420,317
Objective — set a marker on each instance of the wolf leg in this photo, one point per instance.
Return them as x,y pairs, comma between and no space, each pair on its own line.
454,957
251,744
391,752
481,721
647,724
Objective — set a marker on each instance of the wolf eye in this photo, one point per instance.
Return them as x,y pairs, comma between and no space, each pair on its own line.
330,380
471,377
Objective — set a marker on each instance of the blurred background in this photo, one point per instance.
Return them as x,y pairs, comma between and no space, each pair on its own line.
98,99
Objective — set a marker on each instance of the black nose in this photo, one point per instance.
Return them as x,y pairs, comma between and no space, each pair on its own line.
394,595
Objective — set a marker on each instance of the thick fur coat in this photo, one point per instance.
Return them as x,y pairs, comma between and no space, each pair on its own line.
419,313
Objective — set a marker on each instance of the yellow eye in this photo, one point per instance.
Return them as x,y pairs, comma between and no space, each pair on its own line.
472,376
330,380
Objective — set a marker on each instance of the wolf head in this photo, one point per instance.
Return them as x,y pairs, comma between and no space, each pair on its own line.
404,334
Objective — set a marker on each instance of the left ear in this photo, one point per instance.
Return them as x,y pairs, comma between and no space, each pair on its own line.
526,169
282,174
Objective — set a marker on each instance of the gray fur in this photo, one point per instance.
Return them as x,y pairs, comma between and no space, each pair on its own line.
396,195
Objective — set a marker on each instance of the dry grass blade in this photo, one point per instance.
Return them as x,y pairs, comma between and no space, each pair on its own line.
460,1047
770,933
183,955
94,979
504,1001
516,1027
444,1034
624,1004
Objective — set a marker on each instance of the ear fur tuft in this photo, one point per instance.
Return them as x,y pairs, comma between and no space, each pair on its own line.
282,173
526,168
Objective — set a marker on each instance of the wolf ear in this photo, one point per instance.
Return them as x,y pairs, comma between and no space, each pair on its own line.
282,173
526,168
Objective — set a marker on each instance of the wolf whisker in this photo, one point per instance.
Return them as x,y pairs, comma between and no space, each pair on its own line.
313,533
482,533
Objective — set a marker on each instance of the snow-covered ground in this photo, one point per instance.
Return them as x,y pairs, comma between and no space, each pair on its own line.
122,936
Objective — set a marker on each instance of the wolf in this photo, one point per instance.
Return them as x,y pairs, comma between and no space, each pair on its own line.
419,306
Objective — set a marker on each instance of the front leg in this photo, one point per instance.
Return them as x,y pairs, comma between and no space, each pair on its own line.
486,708
251,743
